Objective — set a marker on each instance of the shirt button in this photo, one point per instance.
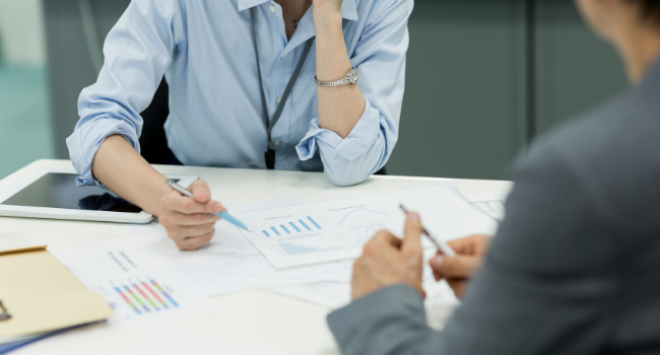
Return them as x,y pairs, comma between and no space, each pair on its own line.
278,100
277,143
272,8
286,55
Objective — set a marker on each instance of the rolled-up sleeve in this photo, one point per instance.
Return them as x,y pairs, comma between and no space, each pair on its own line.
137,52
380,57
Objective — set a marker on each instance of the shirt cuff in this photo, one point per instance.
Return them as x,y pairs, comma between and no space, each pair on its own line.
362,137
84,143
359,322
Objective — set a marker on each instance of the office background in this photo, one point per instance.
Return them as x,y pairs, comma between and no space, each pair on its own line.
483,78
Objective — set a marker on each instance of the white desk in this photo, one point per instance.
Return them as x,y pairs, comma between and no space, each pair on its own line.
251,322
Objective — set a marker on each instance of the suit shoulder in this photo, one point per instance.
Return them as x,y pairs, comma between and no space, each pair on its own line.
612,149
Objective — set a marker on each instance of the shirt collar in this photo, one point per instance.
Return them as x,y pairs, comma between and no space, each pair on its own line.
349,10
246,4
348,7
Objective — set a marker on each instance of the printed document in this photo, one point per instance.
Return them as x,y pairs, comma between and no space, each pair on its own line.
140,286
337,230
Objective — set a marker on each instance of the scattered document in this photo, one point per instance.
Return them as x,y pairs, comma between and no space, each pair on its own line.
328,293
223,265
140,286
337,230
335,294
492,203
231,263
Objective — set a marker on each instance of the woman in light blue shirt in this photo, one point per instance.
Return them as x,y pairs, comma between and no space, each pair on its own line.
221,108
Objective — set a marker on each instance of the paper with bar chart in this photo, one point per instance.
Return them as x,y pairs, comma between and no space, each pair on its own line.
141,286
336,230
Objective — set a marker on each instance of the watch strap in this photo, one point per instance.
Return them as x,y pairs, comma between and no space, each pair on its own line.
343,81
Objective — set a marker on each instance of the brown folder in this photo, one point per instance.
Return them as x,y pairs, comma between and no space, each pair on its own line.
42,295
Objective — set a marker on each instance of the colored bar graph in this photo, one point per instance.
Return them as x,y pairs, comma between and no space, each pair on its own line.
151,291
157,286
266,234
304,225
137,310
314,222
294,227
135,286
286,230
275,230
137,299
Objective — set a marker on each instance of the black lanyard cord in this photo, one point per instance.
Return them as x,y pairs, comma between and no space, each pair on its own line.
270,153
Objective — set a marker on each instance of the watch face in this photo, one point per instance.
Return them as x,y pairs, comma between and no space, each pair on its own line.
354,76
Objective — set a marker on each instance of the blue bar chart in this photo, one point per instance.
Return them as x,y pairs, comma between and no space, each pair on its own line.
290,228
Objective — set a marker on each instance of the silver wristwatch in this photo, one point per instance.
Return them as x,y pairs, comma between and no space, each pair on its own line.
350,78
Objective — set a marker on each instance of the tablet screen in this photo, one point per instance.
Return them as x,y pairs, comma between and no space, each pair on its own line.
57,190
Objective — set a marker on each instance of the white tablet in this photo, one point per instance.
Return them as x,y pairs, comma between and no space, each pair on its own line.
53,194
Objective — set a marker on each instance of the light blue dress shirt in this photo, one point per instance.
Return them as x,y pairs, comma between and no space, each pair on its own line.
204,49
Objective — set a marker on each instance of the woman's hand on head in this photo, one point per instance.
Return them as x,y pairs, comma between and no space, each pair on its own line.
190,222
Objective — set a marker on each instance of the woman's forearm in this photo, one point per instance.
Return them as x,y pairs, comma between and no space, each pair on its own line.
121,169
340,107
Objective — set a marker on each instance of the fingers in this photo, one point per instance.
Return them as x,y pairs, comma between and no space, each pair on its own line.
190,222
201,192
477,244
435,264
194,243
412,241
189,232
383,240
175,202
179,232
455,267
192,219
459,286
481,243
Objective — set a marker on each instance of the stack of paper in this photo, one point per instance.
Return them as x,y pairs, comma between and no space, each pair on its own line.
304,251
338,230
42,297
141,286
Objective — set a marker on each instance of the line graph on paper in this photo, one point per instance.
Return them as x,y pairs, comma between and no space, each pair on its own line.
354,216
338,230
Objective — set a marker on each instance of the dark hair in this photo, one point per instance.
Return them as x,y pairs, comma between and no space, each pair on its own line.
650,9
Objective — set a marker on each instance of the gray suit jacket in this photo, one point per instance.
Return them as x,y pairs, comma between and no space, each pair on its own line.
575,266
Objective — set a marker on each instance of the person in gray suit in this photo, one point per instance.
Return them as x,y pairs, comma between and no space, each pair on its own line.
575,265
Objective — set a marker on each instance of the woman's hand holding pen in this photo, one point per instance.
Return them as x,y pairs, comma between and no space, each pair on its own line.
458,270
190,222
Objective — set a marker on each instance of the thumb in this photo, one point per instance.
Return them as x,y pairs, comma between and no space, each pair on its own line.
412,242
458,266
201,192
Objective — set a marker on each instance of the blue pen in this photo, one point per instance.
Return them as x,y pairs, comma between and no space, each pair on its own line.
224,215
227,217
